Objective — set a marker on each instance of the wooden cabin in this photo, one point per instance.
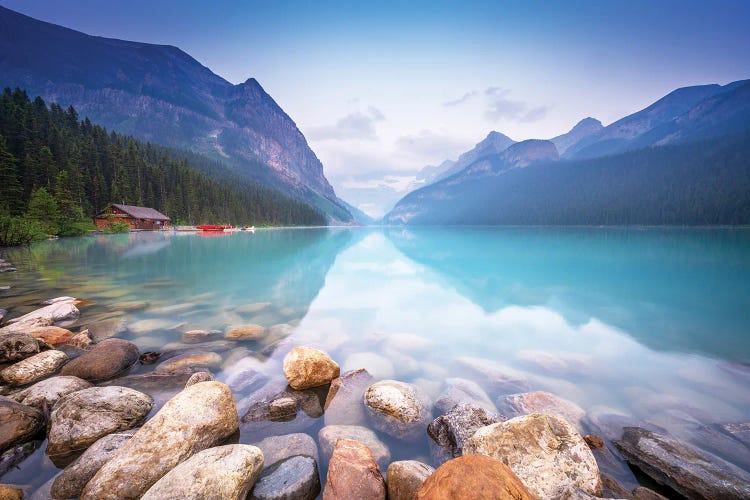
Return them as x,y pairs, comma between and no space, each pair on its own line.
136,217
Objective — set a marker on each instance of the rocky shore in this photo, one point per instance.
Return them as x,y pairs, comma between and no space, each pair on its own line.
172,423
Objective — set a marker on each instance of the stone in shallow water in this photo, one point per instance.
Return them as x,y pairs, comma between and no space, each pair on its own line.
253,308
379,367
34,368
330,434
689,471
80,340
52,335
228,471
57,312
296,477
493,376
10,458
249,371
278,448
405,477
246,332
197,336
106,360
199,417
106,328
476,477
81,418
71,481
18,423
408,342
344,404
198,377
189,360
544,451
48,392
353,473
398,409
461,390
525,403
18,346
305,367
279,408
449,432
148,325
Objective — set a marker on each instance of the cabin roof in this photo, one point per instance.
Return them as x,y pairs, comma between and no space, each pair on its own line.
141,212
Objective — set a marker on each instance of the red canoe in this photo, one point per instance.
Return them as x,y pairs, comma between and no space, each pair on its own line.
213,227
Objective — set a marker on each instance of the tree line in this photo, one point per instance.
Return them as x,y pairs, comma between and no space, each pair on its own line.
52,159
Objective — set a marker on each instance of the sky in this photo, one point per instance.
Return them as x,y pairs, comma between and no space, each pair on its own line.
382,89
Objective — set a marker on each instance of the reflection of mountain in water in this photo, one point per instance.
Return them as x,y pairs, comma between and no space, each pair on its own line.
672,289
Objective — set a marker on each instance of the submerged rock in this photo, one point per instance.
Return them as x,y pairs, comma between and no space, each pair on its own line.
278,448
198,377
71,481
200,416
47,392
398,409
293,478
34,368
473,476
80,340
189,360
227,472
106,360
57,312
405,477
690,472
305,367
353,473
344,403
544,451
104,329
461,390
18,346
249,371
198,336
330,434
247,332
10,458
449,432
541,402
81,418
493,376
18,423
379,367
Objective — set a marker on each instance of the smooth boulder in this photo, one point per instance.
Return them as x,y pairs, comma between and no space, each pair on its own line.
525,403
398,409
405,477
81,418
306,367
473,476
18,423
247,332
689,471
54,313
106,360
199,417
32,369
353,473
294,478
546,452
449,432
278,448
227,472
48,392
330,434
189,360
71,481
344,404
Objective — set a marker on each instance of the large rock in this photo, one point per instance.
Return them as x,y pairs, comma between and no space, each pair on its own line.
449,432
545,452
57,312
247,332
294,478
398,409
52,335
71,481
106,360
200,416
227,472
17,346
541,402
81,418
405,477
189,360
35,368
353,473
48,392
461,390
106,328
18,423
8,492
278,448
344,403
199,377
476,477
305,367
330,434
689,471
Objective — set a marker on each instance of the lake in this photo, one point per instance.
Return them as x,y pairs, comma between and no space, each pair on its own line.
649,324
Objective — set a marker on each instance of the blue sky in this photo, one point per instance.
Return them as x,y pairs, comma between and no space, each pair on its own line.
381,89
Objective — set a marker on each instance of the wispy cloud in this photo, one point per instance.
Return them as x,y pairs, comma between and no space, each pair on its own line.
500,106
464,98
359,125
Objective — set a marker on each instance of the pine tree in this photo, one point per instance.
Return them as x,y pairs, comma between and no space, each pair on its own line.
11,192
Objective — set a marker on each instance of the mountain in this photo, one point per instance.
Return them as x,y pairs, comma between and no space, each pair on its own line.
494,143
582,130
685,114
696,183
160,94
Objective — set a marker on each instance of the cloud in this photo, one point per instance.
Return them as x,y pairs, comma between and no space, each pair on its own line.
359,125
428,146
461,99
499,106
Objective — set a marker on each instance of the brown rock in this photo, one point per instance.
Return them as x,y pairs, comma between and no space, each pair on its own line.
80,340
353,473
53,335
641,493
594,441
18,423
476,477
17,346
32,369
106,360
189,360
196,336
405,477
199,377
8,492
247,332
305,367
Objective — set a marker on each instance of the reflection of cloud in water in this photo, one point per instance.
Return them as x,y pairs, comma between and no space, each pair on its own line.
148,248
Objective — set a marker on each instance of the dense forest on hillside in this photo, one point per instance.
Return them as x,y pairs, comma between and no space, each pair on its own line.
81,164
699,183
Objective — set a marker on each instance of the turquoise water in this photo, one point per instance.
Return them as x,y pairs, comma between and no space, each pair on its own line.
653,324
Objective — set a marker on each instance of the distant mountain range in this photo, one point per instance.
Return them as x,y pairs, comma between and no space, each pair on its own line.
161,94
683,160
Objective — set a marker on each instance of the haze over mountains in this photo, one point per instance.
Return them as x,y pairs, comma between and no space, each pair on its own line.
161,94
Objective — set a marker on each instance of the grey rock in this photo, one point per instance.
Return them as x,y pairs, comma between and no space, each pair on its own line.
291,479
461,390
397,409
449,432
344,404
47,392
278,448
18,346
687,470
81,418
